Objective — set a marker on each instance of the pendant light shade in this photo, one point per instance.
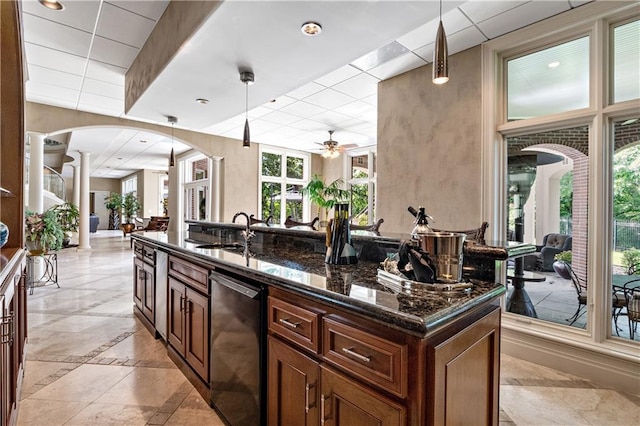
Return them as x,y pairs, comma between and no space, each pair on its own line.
172,157
247,78
441,55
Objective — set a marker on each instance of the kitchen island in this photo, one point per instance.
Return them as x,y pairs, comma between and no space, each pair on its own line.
333,344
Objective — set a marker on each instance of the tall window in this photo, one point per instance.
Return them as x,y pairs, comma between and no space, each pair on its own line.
567,163
196,184
283,175
362,180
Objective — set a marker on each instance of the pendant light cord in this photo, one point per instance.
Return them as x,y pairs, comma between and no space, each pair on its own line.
246,103
441,10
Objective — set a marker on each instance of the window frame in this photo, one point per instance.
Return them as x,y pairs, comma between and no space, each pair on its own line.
370,180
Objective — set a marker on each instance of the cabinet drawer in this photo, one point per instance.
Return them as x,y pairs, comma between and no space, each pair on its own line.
149,254
138,249
193,275
371,358
296,324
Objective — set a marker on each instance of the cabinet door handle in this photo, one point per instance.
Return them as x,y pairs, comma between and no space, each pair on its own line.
288,323
6,329
350,351
322,400
307,388
181,303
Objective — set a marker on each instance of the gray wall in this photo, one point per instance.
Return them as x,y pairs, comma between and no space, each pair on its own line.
429,146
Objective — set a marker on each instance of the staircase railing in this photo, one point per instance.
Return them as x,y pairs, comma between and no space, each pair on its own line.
52,181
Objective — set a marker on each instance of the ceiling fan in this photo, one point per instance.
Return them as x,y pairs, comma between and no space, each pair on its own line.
332,149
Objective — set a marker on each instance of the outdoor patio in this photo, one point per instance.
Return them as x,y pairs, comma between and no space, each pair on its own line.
555,300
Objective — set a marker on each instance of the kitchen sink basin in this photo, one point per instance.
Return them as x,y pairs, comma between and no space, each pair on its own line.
231,246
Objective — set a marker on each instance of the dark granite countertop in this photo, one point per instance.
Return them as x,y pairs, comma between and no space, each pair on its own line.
354,287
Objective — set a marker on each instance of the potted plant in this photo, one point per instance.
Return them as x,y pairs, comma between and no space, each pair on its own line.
43,232
68,217
562,259
325,196
113,202
130,207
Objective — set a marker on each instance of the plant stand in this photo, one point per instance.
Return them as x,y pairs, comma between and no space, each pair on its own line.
49,273
114,219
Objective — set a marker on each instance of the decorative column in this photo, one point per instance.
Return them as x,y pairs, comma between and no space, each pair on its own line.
36,174
84,201
215,185
76,185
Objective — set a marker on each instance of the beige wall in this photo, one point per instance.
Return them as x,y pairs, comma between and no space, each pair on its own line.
429,146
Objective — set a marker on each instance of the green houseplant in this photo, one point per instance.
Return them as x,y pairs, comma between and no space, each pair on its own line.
43,231
68,217
130,208
113,202
323,195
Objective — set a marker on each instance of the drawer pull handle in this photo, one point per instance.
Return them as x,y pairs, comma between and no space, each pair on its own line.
322,401
350,351
288,323
307,389
181,303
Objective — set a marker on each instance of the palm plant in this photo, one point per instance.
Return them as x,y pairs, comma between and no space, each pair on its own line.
325,196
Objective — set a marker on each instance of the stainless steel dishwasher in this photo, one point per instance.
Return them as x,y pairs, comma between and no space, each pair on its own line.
237,351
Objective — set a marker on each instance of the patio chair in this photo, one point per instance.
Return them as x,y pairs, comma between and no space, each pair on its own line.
632,297
543,258
634,269
581,291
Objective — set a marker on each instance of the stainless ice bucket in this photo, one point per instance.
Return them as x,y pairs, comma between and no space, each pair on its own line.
445,252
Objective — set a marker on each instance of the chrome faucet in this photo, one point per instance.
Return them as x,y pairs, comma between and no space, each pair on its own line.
247,234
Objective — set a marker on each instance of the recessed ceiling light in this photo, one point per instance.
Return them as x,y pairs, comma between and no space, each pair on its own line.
202,101
52,4
119,158
272,100
555,64
142,141
311,29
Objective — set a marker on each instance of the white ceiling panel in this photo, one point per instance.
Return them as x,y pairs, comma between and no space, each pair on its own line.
98,109
150,9
306,90
303,109
124,26
56,78
360,86
102,88
397,66
329,99
308,125
51,91
373,100
465,39
379,56
224,126
56,36
54,59
105,101
48,100
258,112
112,52
341,74
426,52
452,22
280,117
107,73
481,10
355,109
331,118
257,127
280,102
77,14
521,16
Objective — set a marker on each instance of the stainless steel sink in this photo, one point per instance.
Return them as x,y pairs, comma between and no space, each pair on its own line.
234,246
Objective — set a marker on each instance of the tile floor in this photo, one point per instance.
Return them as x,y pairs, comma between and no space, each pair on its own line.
89,361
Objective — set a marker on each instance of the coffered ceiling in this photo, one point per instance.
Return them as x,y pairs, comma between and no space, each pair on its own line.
77,58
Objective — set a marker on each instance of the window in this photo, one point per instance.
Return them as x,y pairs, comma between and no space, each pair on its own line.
590,189
362,180
196,186
551,80
626,61
283,175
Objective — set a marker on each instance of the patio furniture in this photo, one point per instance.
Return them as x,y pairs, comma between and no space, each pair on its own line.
634,269
518,300
156,223
543,259
581,291
628,286
633,309
476,234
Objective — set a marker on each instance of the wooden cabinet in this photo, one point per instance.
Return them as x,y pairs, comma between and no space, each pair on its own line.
13,333
188,315
366,373
293,386
144,285
344,402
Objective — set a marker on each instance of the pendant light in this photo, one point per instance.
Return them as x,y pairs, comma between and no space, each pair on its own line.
172,157
247,78
441,55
